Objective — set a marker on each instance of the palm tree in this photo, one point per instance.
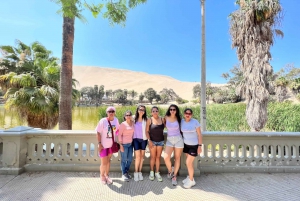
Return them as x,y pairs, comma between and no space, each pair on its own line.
32,83
34,95
70,9
252,31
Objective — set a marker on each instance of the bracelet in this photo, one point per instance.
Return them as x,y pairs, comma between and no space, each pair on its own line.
200,145
99,142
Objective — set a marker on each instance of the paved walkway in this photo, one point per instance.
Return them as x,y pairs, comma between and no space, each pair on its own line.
86,186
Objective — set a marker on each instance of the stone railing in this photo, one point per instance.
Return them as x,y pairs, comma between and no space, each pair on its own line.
27,149
250,152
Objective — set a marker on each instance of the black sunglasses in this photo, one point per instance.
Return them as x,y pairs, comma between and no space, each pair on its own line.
111,111
172,109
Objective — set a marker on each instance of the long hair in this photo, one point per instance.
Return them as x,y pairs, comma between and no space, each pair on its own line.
144,117
168,113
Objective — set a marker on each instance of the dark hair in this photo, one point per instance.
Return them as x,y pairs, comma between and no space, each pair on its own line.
155,108
144,117
128,111
186,109
177,113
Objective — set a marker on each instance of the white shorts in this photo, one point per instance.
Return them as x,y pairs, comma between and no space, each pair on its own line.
175,141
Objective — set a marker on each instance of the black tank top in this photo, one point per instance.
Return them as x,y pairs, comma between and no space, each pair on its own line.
156,132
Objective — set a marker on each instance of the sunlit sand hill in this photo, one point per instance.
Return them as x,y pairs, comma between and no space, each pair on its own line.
131,80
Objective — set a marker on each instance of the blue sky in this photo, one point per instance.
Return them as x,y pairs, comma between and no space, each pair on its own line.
160,37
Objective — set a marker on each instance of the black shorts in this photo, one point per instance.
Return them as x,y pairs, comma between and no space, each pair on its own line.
191,150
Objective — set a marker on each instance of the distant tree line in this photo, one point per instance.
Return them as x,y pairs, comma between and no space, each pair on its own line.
97,95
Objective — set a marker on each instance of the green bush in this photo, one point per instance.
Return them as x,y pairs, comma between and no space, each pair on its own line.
283,117
231,117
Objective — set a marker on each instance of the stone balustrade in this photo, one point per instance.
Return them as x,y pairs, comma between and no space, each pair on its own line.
28,149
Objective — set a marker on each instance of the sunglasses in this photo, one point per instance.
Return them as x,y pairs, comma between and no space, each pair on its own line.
141,110
111,111
128,115
154,111
188,113
172,109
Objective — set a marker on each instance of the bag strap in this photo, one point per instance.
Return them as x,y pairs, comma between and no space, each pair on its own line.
112,131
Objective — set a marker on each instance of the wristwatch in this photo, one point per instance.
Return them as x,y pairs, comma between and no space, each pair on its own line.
200,145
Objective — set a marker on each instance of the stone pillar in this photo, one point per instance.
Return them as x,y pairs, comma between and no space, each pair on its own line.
14,150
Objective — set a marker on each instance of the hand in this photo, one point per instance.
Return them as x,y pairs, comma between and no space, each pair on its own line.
199,149
150,144
100,147
121,148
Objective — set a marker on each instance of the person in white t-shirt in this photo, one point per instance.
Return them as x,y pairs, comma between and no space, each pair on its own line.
104,136
192,139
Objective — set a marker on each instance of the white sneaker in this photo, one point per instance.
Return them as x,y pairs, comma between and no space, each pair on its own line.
140,176
136,176
189,183
151,176
185,180
158,177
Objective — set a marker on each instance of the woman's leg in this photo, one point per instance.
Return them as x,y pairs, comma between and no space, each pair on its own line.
103,165
152,157
129,157
108,164
189,164
142,154
157,158
124,159
177,156
137,154
167,157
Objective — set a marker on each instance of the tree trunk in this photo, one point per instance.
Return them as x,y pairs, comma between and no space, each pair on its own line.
65,98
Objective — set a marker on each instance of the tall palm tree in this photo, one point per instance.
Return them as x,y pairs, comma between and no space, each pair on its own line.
116,11
252,31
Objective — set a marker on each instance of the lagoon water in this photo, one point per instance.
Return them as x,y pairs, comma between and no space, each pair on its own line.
84,118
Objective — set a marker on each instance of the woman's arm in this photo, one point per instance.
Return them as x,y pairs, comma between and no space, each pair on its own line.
199,140
147,128
120,136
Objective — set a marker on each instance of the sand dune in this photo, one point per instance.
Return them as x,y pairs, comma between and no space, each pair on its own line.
131,80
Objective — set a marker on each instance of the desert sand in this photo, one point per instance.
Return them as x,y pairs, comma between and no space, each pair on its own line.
131,80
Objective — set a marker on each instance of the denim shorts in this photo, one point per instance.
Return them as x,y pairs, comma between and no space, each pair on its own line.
161,143
175,141
139,144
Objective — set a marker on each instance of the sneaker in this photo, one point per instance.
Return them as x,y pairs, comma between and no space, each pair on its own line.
151,176
141,176
174,181
129,176
171,174
158,177
125,177
136,176
189,183
186,179
103,180
108,180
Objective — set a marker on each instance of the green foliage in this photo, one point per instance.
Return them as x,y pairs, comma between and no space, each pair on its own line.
141,97
181,100
284,117
197,91
150,94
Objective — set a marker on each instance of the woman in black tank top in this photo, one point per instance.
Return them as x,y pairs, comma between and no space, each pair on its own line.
155,134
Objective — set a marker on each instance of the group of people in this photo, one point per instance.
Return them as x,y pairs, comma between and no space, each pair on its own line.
137,131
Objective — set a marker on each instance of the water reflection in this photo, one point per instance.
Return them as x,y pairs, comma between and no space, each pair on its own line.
84,118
